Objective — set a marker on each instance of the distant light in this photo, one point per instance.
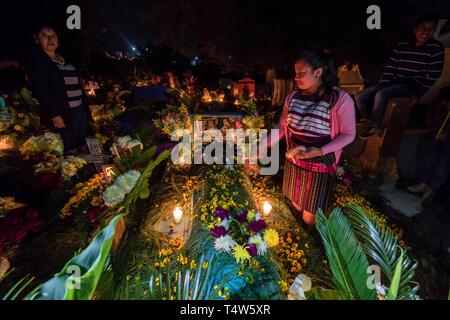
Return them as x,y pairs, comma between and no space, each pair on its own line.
133,48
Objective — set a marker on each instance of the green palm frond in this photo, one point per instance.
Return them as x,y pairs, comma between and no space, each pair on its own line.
380,243
348,263
21,286
190,285
395,284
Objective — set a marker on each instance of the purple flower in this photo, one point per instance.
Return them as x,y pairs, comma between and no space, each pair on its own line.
252,250
242,216
221,213
218,232
257,226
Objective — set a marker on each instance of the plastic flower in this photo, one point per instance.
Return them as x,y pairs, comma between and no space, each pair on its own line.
261,245
113,195
224,243
218,232
221,213
252,249
127,181
271,237
240,254
257,226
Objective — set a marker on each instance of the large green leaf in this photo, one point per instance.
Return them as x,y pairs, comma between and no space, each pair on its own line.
380,243
348,263
67,285
395,284
323,294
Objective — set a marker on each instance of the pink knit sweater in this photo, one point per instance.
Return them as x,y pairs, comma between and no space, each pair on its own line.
343,123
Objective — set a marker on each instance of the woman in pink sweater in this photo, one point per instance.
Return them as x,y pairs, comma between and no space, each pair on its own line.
318,121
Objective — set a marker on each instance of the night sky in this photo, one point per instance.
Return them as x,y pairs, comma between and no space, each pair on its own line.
239,33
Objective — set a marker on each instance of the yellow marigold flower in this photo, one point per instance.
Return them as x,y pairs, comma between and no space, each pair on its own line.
17,127
271,237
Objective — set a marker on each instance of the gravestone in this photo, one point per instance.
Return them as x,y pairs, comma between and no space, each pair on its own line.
95,155
381,150
350,79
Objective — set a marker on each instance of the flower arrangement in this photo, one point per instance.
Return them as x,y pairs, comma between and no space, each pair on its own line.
82,193
173,118
240,232
70,166
243,233
124,145
122,186
47,144
291,253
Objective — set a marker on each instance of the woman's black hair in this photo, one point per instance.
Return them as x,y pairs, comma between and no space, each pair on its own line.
38,28
321,59
426,18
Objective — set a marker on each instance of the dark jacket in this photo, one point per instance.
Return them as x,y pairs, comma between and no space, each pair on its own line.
47,84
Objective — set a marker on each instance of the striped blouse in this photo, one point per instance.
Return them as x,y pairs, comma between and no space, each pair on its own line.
309,118
418,66
72,84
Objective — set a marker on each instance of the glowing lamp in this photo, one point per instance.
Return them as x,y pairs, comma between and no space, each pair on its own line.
267,207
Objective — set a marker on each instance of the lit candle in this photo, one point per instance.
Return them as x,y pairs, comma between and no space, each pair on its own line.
177,214
267,207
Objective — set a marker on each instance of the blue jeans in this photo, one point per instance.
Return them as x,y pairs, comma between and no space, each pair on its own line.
379,95
434,163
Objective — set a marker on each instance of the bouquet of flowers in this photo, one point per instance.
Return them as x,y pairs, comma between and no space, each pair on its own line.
124,145
70,166
173,118
242,233
49,143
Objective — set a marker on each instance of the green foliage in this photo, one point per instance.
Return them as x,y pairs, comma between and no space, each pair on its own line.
380,244
67,284
395,284
346,257
21,286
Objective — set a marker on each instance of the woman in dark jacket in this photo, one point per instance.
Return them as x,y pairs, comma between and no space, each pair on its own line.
57,87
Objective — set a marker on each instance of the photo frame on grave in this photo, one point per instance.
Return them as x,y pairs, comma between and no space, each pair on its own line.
221,121
95,155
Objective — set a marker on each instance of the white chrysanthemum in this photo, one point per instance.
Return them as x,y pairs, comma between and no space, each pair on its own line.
261,245
225,223
257,216
225,243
